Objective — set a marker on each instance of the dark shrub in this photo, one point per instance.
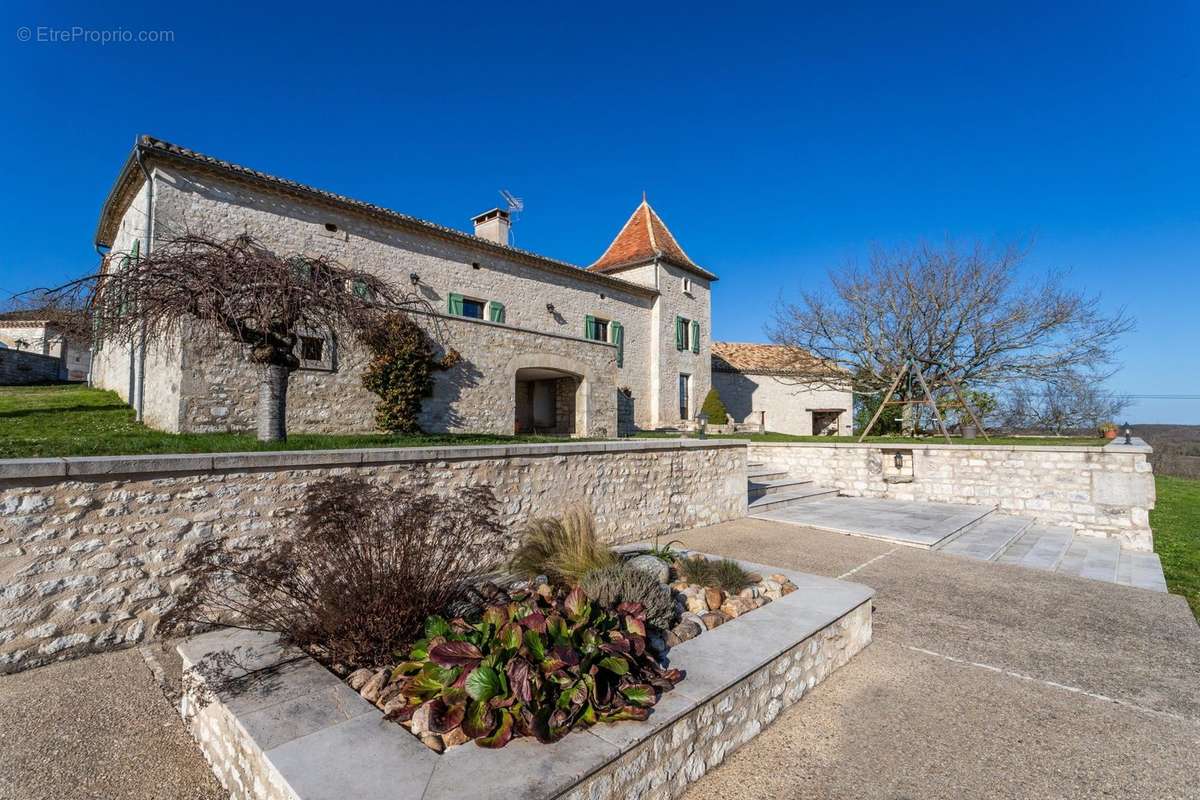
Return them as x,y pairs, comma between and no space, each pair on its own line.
714,408
354,583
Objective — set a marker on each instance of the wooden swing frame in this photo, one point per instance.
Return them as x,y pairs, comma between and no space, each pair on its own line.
910,366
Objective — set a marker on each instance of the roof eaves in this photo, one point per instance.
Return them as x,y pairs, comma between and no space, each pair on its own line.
157,148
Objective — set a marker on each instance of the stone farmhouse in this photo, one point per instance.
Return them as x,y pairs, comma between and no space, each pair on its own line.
26,332
546,346
781,389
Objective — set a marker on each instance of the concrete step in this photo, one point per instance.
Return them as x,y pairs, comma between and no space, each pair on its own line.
756,487
1091,557
1040,547
775,502
766,472
987,538
1143,570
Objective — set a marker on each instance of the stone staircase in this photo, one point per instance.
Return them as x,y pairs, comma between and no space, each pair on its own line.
770,488
1010,539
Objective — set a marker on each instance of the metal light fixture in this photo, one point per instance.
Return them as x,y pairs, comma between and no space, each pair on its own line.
550,307
898,460
1128,434
414,277
702,418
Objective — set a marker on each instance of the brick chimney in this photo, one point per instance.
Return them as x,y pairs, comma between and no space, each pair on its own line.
493,225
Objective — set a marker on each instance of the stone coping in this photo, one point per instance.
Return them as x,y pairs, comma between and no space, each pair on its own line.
1115,447
94,466
318,738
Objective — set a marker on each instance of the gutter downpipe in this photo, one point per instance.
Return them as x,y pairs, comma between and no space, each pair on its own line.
91,380
141,347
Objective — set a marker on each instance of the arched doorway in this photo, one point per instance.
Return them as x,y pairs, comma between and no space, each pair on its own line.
546,401
550,394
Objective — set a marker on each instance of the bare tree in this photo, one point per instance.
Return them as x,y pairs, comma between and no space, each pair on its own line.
962,314
1060,407
236,291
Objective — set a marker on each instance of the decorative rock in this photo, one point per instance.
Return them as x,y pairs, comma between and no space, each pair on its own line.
455,737
779,578
420,720
734,607
713,618
433,742
652,564
696,604
759,602
394,703
680,586
684,631
371,689
358,679
388,693
750,592
788,588
713,597
695,619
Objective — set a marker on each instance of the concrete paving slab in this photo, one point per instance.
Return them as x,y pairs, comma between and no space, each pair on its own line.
1040,547
907,523
988,539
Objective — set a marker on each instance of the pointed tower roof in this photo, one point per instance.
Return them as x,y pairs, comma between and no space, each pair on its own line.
645,238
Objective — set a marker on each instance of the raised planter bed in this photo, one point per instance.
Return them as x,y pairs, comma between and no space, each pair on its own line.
289,728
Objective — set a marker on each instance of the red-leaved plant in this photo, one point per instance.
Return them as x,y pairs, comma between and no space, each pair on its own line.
539,666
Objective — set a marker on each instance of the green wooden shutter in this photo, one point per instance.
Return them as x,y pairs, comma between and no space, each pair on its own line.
695,336
496,311
678,333
137,249
589,327
618,338
456,305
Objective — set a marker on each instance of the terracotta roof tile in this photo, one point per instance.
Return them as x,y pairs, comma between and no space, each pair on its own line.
764,359
644,238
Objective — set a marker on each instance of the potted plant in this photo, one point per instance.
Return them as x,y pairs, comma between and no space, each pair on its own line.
1108,430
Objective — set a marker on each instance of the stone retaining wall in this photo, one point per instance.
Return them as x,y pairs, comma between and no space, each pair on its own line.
20,367
1097,491
90,548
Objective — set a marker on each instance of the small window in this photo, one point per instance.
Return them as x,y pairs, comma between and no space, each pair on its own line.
472,308
683,333
312,348
687,285
596,329
685,395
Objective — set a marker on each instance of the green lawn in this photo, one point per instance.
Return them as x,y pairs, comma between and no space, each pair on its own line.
1176,524
75,420
1058,441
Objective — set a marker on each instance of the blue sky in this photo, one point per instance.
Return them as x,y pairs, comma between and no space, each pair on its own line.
776,142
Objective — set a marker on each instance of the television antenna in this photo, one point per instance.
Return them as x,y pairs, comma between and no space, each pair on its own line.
515,206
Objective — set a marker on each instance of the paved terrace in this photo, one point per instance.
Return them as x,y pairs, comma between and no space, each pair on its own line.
985,680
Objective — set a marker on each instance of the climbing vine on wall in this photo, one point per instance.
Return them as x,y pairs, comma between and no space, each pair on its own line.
401,371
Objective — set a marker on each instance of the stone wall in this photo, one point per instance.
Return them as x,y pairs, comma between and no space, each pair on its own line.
19,367
1097,491
478,395
90,548
664,766
788,406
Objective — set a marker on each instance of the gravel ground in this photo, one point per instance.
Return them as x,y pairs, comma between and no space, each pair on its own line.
983,681
97,727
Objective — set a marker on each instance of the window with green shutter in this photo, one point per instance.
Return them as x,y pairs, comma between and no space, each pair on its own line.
695,336
589,327
496,311
680,333
617,331
456,305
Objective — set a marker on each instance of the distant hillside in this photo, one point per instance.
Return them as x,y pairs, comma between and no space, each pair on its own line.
1176,448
